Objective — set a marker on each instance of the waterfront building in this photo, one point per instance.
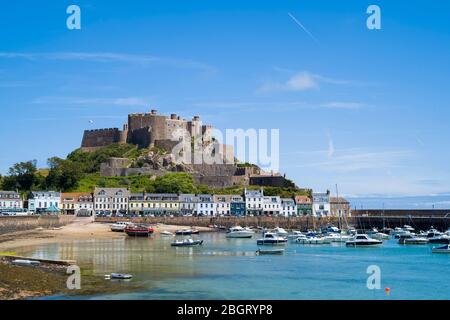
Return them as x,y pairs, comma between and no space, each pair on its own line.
44,201
254,201
111,200
187,203
321,204
288,207
136,203
304,205
271,205
161,204
340,207
223,203
10,200
205,205
77,203
237,206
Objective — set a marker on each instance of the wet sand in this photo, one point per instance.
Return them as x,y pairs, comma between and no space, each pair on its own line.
79,229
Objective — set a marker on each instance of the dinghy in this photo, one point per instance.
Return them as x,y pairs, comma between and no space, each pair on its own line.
121,276
268,251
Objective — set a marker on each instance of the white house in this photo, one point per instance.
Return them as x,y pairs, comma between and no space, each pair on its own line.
223,203
42,201
288,207
205,205
271,205
10,200
111,200
188,203
321,204
254,201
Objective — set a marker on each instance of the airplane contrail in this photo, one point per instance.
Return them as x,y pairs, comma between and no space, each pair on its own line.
303,27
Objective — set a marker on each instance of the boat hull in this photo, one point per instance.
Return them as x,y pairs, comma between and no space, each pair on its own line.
187,244
361,244
270,242
261,252
240,235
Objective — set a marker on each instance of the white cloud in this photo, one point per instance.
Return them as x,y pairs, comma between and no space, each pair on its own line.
301,81
107,57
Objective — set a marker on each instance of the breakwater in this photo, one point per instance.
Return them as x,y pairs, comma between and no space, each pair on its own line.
19,223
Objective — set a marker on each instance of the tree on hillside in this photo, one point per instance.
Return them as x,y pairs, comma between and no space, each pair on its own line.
21,176
177,182
63,175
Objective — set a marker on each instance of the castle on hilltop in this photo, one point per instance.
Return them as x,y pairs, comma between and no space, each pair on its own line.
147,130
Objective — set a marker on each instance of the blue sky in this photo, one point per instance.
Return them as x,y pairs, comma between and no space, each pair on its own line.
366,109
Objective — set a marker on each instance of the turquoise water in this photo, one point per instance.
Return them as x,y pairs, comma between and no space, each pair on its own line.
229,269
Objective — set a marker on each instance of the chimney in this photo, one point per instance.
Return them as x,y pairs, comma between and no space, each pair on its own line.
173,116
153,111
196,118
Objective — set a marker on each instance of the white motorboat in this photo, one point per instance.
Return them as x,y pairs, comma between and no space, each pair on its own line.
372,232
412,239
280,232
362,240
398,232
443,249
119,226
313,240
380,236
239,232
332,229
408,228
271,238
338,237
294,235
166,233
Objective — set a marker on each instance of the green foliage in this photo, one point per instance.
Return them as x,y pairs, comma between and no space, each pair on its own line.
63,175
176,182
21,176
89,162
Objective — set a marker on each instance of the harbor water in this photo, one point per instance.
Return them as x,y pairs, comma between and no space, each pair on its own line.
229,269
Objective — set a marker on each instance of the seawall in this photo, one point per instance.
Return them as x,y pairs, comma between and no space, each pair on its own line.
19,223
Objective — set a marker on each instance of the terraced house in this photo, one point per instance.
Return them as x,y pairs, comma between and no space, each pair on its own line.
254,201
237,206
304,205
136,203
288,207
77,203
44,201
10,200
161,203
271,205
205,205
111,200
188,203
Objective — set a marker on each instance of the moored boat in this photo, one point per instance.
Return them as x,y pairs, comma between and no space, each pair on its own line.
271,238
186,232
313,240
411,239
380,236
443,249
363,240
119,226
269,251
280,232
186,243
338,237
239,232
294,235
121,276
166,233
138,230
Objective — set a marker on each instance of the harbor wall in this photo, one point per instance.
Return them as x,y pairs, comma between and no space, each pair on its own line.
297,223
19,223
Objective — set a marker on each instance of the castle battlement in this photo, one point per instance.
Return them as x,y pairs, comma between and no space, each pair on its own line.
143,129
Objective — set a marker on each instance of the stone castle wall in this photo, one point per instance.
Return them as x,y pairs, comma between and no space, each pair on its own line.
100,138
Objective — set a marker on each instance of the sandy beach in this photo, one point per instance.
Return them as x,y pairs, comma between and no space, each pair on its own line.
80,229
